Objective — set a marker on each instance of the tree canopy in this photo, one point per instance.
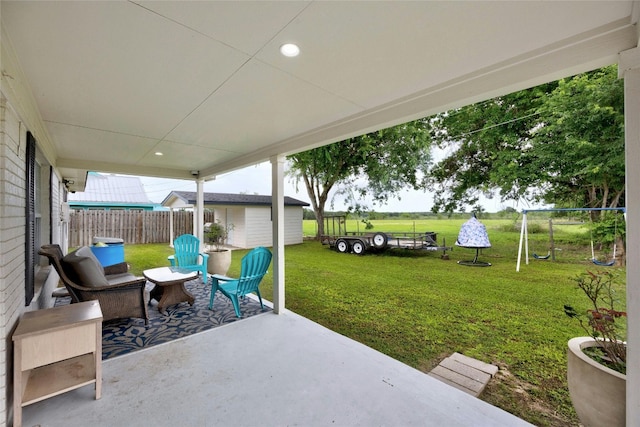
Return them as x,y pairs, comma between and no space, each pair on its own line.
561,143
377,165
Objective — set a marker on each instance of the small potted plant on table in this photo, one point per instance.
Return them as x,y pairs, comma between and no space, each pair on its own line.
596,364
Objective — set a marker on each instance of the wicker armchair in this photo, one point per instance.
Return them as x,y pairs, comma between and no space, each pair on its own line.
120,293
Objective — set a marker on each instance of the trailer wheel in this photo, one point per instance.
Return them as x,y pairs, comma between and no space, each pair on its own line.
358,247
379,240
342,246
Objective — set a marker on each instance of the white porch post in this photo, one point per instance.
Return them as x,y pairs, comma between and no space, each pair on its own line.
171,236
523,231
277,222
629,68
198,213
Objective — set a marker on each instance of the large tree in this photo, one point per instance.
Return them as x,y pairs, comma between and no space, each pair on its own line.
561,143
376,165
580,144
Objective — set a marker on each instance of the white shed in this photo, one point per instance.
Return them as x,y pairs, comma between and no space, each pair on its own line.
248,215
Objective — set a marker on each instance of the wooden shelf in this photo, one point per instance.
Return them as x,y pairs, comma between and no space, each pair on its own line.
57,378
56,350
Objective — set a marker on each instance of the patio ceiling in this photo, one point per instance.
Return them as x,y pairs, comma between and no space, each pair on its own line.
204,82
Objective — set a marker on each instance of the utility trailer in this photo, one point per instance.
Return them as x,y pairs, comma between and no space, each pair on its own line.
338,238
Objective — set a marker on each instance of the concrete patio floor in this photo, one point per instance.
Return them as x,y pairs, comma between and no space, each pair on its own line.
268,370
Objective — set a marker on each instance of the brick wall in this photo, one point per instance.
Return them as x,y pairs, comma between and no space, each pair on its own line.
12,226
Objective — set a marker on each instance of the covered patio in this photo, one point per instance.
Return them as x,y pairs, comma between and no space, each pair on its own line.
270,370
193,90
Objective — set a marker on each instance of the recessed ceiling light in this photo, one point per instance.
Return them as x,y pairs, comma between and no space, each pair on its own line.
290,50
158,153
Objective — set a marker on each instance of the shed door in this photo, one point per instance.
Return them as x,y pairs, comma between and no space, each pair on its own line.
229,221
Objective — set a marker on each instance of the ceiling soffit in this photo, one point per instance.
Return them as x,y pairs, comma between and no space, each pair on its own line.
203,82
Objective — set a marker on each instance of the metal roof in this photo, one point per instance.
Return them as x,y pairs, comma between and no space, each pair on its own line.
112,189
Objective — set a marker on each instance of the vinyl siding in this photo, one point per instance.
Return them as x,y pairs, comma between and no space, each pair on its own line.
252,225
258,226
260,230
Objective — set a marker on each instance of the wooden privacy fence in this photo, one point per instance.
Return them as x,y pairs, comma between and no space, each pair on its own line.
131,226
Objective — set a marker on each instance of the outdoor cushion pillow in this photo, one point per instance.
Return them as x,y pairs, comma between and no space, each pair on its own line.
86,251
86,269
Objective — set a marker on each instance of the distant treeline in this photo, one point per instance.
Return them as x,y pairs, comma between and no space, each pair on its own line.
372,215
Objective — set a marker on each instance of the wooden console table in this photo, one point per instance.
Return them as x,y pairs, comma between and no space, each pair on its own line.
56,350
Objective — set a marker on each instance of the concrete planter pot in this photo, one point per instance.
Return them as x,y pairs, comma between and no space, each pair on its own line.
219,262
598,393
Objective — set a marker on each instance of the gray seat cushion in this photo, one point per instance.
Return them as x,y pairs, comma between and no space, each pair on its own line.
116,279
86,268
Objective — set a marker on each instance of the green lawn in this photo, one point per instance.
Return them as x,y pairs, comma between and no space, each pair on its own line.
418,308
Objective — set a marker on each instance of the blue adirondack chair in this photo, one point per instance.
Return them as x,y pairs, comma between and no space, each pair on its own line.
188,255
254,267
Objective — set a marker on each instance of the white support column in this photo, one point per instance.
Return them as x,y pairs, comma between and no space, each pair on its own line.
629,68
277,221
198,213
171,236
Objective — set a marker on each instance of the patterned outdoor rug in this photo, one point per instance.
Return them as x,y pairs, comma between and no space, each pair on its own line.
126,335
